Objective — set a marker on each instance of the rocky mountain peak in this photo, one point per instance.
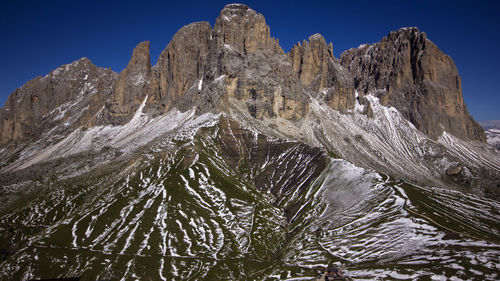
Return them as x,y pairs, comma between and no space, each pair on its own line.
406,70
131,86
244,29
71,70
181,65
406,31
140,59
65,98
317,37
310,59
318,70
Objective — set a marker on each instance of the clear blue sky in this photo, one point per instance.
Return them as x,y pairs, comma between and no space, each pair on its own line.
39,36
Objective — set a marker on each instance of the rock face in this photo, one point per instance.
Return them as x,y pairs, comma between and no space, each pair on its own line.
131,86
181,65
245,65
244,29
318,70
64,99
409,72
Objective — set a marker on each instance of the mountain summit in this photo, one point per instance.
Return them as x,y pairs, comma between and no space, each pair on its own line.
230,159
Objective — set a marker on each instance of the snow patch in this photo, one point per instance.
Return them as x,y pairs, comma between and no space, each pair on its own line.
200,84
493,138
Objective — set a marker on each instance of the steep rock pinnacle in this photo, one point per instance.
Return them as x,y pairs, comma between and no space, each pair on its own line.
181,65
131,86
317,68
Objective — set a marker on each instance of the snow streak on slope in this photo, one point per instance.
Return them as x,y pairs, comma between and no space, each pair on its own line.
231,204
472,153
382,229
389,143
186,213
126,138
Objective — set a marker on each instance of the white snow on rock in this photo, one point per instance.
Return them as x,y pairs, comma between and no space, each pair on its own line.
386,142
200,84
472,153
493,138
139,131
358,108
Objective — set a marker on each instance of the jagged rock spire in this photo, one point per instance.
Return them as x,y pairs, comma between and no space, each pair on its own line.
181,65
317,69
131,86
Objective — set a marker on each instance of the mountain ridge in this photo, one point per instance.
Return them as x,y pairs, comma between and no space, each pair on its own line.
231,160
313,54
237,68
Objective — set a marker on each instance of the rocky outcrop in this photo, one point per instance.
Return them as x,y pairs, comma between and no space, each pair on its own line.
131,87
62,100
406,70
318,70
180,66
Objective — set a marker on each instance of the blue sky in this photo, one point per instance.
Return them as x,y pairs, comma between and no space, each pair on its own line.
39,36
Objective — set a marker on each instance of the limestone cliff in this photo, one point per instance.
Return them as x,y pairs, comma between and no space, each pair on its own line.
406,70
131,87
181,65
318,70
246,65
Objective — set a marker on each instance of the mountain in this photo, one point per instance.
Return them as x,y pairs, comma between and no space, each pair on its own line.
409,72
493,137
230,159
492,130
